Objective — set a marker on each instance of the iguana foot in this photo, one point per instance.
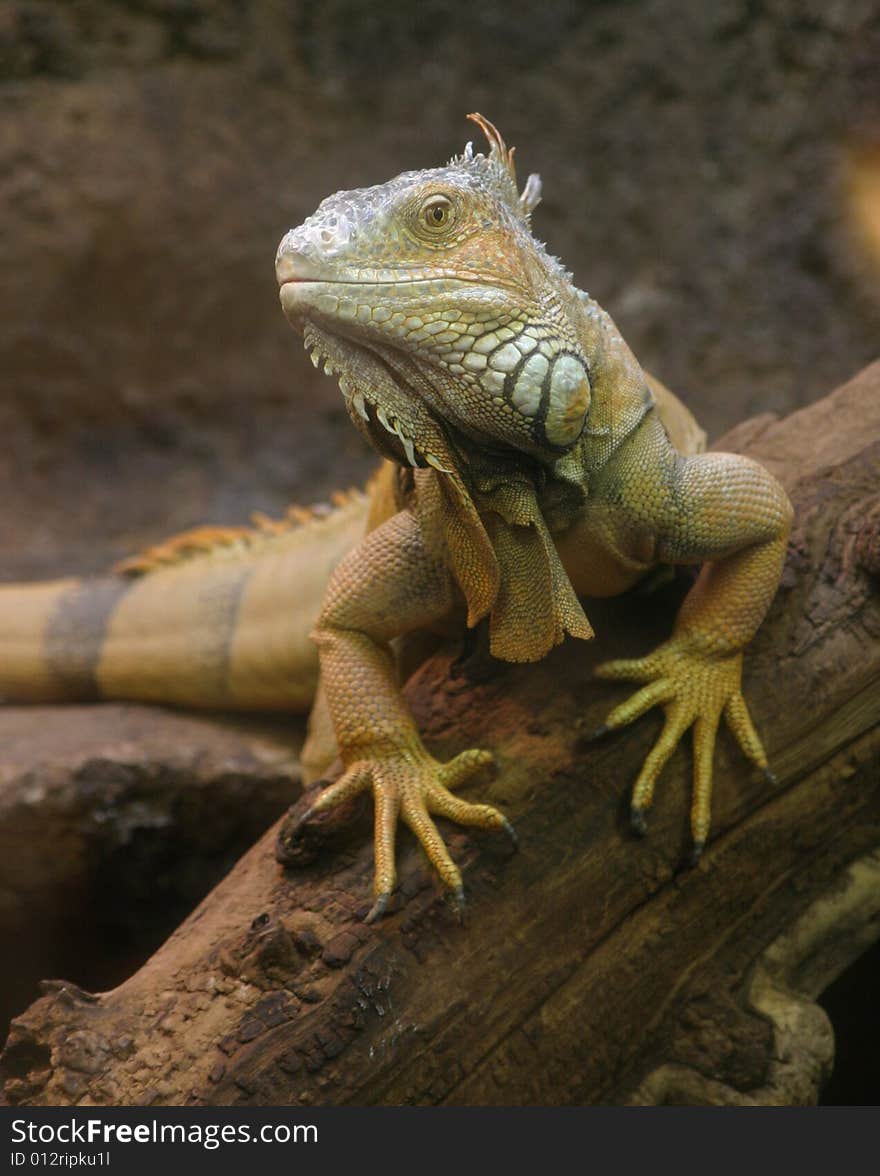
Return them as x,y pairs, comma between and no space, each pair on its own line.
412,786
695,689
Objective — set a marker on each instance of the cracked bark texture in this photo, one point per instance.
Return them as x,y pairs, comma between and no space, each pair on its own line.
592,967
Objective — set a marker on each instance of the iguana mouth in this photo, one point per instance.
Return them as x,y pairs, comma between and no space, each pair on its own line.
294,268
301,295
394,280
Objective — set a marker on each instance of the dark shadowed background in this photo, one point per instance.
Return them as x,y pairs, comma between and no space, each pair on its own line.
711,175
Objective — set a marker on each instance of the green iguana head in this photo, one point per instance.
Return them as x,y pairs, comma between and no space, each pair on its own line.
431,300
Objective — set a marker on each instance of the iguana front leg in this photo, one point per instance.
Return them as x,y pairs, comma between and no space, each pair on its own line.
391,584
730,514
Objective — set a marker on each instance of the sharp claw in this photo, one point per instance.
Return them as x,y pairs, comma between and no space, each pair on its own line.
637,821
458,902
377,910
771,777
303,836
511,832
597,734
696,852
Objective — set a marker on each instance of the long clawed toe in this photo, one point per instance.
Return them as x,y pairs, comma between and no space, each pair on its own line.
695,692
638,820
511,832
414,789
696,853
377,910
597,734
458,901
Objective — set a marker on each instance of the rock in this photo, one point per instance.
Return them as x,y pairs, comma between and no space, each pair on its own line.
114,821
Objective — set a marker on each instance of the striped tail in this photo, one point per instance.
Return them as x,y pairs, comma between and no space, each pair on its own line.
32,666
217,618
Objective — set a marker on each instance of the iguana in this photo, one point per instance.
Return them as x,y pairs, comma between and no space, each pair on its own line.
529,461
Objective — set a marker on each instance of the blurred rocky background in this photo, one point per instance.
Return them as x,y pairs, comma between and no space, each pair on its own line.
710,174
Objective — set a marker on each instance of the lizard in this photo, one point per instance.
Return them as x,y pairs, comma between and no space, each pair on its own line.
510,485
540,473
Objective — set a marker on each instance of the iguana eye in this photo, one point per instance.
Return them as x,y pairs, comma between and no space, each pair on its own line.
436,213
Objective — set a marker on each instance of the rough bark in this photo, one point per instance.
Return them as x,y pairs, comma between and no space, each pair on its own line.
592,966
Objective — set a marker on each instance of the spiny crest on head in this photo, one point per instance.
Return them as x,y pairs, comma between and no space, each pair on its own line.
500,165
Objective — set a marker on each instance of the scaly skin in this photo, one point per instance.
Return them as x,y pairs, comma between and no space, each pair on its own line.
216,618
542,470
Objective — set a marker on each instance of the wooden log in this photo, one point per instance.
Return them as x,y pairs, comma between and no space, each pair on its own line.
592,966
